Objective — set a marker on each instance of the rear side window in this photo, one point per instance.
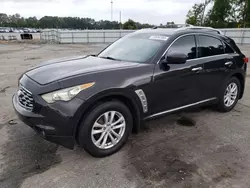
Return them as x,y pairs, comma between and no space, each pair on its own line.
185,45
228,49
210,46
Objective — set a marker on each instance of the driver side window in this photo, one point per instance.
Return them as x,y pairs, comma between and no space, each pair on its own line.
185,45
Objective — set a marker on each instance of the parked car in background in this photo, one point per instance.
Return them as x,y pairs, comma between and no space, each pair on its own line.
19,30
4,31
26,30
97,100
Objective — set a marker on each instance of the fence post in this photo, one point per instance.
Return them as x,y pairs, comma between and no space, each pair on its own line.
57,36
242,37
40,36
72,37
53,35
225,32
88,36
104,37
60,37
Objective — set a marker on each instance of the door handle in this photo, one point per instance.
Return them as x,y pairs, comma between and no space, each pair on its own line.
197,69
229,63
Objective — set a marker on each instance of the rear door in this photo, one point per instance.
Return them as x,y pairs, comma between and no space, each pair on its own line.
177,85
217,63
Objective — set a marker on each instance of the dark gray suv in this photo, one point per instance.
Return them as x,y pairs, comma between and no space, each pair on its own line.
97,100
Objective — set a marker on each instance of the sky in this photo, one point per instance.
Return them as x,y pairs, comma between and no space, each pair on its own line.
144,11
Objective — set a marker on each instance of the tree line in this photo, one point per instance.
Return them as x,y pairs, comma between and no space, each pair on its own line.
220,14
212,13
17,21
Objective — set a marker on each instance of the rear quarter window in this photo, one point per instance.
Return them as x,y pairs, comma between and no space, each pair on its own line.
210,46
228,49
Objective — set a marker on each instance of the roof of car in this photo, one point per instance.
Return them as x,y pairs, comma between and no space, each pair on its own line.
171,31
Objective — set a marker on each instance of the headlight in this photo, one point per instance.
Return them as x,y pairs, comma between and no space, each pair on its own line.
65,94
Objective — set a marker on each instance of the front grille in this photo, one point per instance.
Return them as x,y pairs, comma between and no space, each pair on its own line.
25,98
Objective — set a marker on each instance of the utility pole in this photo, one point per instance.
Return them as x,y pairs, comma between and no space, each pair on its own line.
245,19
206,3
120,19
111,10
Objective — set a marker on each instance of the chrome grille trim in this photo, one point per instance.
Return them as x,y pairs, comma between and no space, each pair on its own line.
25,98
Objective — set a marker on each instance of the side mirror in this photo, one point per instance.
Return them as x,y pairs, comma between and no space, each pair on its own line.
175,58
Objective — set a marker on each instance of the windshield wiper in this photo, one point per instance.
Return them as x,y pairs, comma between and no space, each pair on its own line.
111,58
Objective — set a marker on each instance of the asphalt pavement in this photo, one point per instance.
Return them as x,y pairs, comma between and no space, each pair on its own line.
201,148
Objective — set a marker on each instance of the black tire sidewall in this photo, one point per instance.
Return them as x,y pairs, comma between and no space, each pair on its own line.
84,136
222,106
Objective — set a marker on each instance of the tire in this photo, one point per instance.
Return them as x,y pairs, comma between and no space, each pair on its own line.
96,121
225,106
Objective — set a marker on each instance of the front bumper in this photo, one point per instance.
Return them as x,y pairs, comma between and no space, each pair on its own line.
52,125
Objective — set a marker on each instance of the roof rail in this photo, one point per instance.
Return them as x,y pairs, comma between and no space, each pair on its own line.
183,25
199,27
180,27
173,26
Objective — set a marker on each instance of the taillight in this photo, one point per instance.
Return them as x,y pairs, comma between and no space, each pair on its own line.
245,59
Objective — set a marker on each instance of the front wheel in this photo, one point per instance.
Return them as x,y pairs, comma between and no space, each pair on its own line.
106,129
230,95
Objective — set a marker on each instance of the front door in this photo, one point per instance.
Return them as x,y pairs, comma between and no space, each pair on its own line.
177,85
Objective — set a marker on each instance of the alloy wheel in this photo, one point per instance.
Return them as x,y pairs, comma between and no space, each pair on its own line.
108,129
230,94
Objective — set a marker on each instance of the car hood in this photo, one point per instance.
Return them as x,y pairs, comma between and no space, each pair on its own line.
55,70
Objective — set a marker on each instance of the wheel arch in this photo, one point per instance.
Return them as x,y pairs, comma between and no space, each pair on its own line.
241,78
130,101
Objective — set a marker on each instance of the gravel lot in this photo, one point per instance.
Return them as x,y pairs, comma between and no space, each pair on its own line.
212,151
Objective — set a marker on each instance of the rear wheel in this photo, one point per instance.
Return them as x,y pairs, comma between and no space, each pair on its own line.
106,129
230,95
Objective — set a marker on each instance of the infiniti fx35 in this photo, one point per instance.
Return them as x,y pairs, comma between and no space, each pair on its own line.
97,100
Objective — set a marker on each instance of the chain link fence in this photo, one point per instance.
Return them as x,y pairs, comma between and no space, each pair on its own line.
240,36
86,36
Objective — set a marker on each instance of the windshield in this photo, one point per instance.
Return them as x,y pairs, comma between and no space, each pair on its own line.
136,47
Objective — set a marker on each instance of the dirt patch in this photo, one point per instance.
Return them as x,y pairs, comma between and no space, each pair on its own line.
25,157
31,58
158,161
12,122
166,155
161,166
3,90
186,121
229,173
